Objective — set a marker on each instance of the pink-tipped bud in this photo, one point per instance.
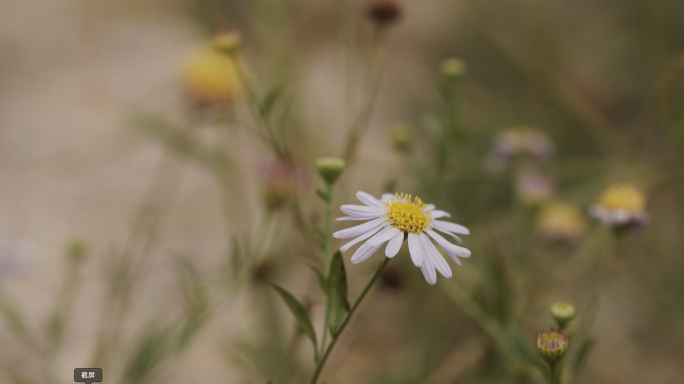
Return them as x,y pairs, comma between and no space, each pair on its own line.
552,345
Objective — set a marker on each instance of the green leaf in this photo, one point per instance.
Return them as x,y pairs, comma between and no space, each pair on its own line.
298,311
319,274
323,195
270,100
337,304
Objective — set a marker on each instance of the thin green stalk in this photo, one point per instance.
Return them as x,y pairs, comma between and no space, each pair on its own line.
497,334
361,122
328,224
327,250
255,107
601,285
324,358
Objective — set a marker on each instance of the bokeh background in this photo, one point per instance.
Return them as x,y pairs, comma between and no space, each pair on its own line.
100,148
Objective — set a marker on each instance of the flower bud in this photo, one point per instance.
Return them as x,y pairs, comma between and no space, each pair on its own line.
227,42
282,181
562,313
76,251
402,136
453,68
383,12
330,168
552,346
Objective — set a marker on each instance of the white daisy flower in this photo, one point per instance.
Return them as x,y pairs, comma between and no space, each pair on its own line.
395,217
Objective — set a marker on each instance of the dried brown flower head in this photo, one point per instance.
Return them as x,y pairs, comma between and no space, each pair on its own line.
383,12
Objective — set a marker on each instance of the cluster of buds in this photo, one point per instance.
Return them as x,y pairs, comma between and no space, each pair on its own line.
621,206
552,346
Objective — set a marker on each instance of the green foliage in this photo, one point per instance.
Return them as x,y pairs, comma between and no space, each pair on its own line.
337,305
299,313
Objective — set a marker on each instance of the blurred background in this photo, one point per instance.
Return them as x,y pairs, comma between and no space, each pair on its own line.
147,197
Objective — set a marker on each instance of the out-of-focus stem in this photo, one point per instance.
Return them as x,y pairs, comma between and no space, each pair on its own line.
343,325
255,108
491,328
559,90
659,99
369,97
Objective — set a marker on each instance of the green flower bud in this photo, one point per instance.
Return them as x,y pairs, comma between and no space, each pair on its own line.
402,136
330,168
454,68
562,312
76,251
552,346
227,42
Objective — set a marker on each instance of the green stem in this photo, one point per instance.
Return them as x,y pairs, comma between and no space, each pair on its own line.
553,373
324,358
361,122
255,108
327,251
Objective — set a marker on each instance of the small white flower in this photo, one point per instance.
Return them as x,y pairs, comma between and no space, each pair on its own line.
392,218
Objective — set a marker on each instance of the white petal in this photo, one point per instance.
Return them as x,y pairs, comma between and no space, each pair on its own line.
383,236
358,230
347,218
437,214
415,250
369,200
460,241
394,245
451,249
364,252
366,235
386,197
429,270
430,207
450,227
361,210
437,260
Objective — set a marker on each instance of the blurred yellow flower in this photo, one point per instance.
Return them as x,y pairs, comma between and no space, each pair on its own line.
210,79
621,205
560,221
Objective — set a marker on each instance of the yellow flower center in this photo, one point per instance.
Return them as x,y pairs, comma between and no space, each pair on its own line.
406,215
623,196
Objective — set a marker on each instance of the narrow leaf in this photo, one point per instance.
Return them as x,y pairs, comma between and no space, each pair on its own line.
270,100
319,274
298,311
323,195
337,304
